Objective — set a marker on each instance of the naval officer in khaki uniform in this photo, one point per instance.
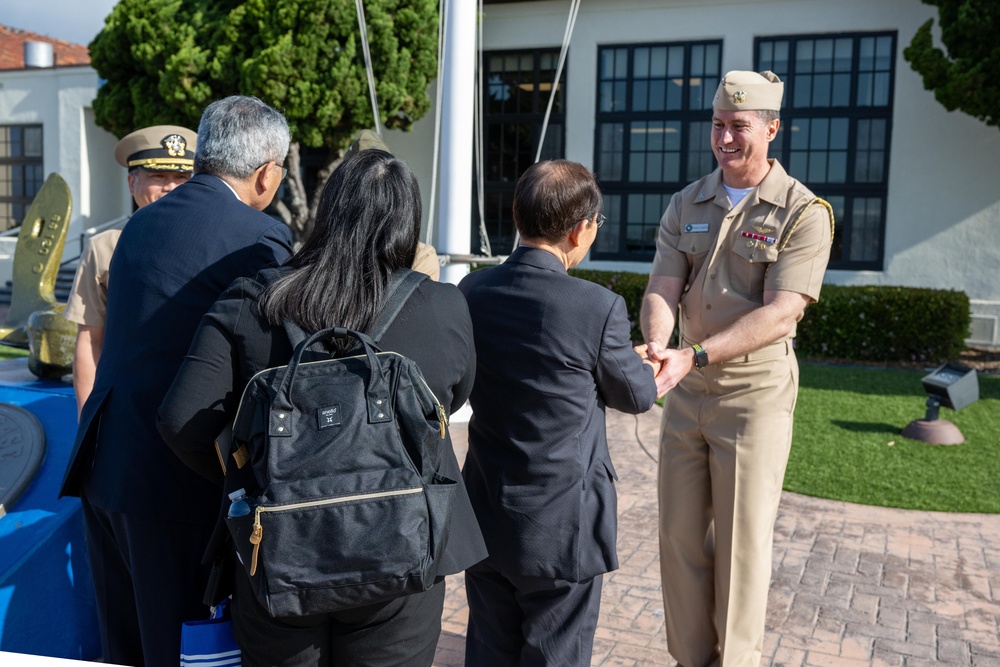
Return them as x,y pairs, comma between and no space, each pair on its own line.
739,256
158,159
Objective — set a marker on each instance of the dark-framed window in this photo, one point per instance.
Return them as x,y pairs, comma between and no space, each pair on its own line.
654,119
836,123
517,87
21,172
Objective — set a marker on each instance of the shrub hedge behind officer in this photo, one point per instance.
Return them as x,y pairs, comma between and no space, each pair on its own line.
158,159
739,256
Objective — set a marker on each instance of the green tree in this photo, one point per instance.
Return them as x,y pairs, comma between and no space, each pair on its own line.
164,60
967,76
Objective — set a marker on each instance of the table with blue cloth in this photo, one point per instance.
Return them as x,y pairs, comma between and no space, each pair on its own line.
47,602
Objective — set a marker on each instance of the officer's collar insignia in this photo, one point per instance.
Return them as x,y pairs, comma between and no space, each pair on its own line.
739,97
175,145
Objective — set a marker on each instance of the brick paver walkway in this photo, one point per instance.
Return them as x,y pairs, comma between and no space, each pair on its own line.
852,584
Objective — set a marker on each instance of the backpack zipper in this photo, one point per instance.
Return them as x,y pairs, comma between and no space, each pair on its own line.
258,530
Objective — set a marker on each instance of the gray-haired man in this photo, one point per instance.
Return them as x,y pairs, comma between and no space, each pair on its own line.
148,516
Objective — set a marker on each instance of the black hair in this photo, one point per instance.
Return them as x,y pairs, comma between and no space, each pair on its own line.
553,196
367,225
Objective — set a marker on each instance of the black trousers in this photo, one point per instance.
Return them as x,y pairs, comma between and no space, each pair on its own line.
148,580
401,633
517,621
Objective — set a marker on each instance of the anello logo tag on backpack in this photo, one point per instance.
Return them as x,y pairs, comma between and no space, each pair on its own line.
328,417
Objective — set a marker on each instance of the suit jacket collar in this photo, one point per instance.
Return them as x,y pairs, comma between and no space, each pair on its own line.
540,259
214,182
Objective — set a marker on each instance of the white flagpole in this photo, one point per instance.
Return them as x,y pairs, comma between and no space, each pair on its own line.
456,135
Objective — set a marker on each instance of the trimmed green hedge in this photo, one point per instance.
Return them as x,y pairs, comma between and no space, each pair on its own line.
631,287
870,323
873,323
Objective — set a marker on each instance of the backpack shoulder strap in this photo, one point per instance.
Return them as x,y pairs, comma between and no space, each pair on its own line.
401,286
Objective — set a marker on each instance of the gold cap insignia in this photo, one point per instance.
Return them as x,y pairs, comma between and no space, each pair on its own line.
175,145
739,97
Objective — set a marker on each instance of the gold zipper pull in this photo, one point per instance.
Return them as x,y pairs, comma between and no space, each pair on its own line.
443,418
255,538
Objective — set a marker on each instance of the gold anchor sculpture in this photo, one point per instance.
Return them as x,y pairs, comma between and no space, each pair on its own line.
35,320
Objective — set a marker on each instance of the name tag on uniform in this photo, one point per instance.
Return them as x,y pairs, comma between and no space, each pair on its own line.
702,227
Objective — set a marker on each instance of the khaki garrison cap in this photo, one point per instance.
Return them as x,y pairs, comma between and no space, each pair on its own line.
742,91
367,139
158,148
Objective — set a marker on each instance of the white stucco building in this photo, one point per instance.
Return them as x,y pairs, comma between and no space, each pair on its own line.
47,125
914,186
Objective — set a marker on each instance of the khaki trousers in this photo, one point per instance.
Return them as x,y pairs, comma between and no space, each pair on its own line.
724,445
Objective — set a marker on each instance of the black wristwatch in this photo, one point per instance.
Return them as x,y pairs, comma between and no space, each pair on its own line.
700,356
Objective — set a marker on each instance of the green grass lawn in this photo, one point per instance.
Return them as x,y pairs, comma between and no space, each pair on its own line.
848,443
7,352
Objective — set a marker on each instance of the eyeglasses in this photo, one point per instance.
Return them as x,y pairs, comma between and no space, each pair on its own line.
284,171
600,219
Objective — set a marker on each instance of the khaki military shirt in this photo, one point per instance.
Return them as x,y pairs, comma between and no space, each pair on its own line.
88,299
729,255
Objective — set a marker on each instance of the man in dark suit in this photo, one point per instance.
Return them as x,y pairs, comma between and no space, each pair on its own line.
148,516
552,352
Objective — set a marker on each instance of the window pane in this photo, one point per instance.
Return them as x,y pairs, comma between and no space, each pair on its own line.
824,55
800,133
804,56
33,142
840,96
17,141
610,151
880,92
657,96
866,227
839,128
21,171
518,87
607,235
821,90
802,85
671,87
819,133
640,63
701,161
607,97
640,96
621,64
835,131
607,58
837,169
837,204
658,63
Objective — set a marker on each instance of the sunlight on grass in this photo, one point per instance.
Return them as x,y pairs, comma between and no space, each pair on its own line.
848,445
7,352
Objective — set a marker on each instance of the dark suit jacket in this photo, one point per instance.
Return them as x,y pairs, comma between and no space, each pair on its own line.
233,343
174,258
552,352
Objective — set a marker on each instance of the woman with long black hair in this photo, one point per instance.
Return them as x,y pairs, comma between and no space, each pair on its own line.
366,230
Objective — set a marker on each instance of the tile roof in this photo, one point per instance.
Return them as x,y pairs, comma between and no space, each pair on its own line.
12,49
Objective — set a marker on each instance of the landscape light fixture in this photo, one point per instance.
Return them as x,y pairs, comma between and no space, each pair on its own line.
953,386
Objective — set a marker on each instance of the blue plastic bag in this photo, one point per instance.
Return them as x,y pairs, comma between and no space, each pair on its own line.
210,643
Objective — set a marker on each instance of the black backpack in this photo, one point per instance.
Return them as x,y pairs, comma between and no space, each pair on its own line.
346,508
